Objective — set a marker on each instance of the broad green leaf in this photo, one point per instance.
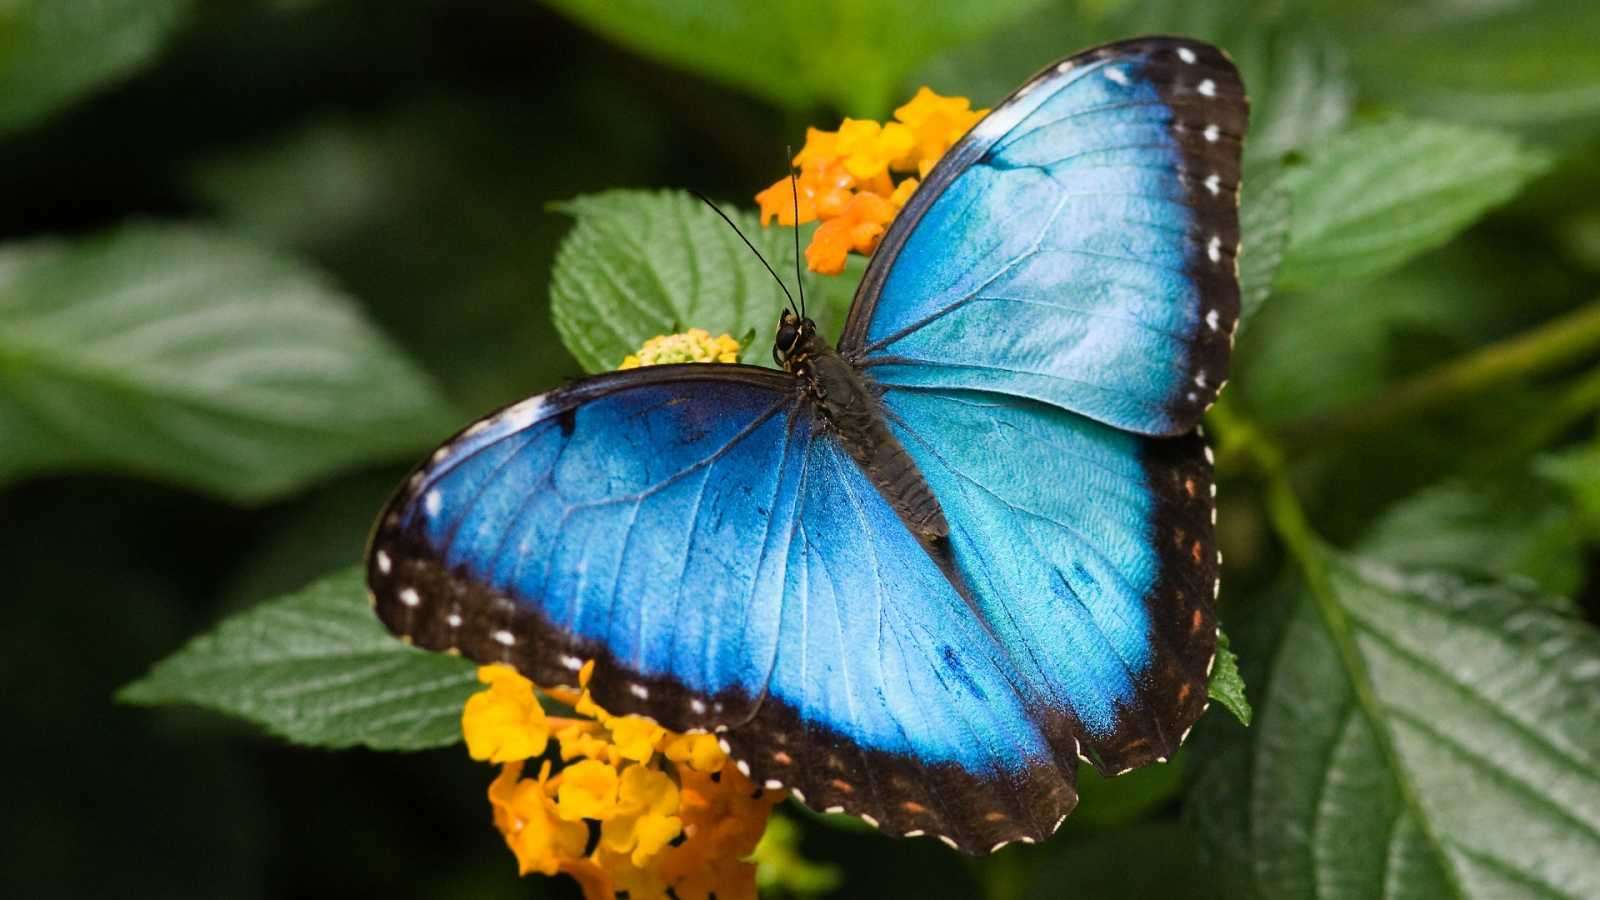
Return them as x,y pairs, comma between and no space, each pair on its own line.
799,53
1441,741
1264,216
196,358
54,51
1377,195
316,667
1513,528
1527,64
1227,685
1299,88
433,212
641,263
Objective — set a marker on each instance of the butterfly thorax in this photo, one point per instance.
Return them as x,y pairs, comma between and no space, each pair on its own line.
846,403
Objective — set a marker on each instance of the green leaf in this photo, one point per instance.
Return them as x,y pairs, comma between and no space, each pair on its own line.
1377,195
316,667
196,358
426,211
1227,686
1526,64
641,263
1299,87
54,51
1264,216
1512,528
798,53
1439,739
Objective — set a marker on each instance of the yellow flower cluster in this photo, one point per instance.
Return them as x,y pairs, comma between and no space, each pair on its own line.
846,179
694,345
631,806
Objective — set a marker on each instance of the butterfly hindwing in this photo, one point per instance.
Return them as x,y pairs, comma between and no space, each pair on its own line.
1091,552
1077,246
727,566
889,698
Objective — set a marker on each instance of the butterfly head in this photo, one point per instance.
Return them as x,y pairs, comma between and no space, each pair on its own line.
794,342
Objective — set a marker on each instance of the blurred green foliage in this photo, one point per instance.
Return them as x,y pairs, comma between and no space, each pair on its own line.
258,255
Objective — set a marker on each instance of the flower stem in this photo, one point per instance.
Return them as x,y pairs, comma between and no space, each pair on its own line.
1546,347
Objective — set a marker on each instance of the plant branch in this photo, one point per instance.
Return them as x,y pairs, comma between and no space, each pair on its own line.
1575,403
1546,347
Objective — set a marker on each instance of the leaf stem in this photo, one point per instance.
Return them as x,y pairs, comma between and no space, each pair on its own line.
1241,439
1546,347
1576,402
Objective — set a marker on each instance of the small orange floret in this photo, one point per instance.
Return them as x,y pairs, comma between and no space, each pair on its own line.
902,193
868,147
858,227
504,723
846,181
823,189
821,147
936,123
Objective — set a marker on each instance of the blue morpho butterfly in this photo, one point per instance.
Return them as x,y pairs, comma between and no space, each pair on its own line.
915,577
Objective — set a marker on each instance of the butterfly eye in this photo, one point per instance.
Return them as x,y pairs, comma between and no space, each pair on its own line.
788,336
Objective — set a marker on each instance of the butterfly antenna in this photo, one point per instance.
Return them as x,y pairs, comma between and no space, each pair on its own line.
794,190
714,208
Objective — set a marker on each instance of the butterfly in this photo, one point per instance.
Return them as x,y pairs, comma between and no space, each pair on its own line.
920,574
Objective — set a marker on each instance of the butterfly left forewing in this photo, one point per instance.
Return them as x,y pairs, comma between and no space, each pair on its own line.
621,519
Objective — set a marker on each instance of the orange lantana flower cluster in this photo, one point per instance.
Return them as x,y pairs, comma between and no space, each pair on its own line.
847,177
623,805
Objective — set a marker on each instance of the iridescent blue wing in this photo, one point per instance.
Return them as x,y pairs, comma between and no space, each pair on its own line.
1077,247
1061,290
727,566
1091,553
